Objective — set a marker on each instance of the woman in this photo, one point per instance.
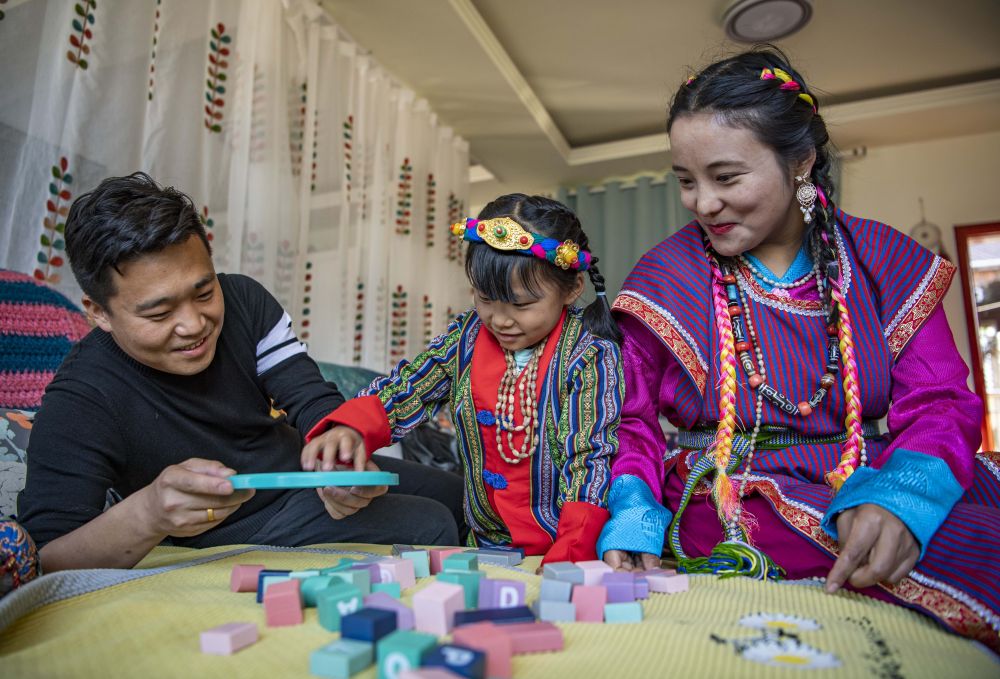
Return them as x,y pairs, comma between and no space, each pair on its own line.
775,331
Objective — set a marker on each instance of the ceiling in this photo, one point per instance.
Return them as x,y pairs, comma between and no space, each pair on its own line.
553,93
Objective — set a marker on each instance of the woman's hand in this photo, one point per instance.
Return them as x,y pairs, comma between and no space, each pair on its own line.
189,498
875,546
629,561
341,502
340,445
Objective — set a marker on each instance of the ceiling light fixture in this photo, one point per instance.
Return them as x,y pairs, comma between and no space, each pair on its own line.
765,20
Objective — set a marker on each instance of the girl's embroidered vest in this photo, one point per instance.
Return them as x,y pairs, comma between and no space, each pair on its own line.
892,285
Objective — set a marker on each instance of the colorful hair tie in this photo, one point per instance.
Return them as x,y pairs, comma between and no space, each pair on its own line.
690,79
503,233
788,84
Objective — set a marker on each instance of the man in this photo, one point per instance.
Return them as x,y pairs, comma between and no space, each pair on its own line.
180,386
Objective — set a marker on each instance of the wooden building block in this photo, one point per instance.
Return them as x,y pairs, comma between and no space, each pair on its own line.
336,601
341,659
229,638
302,575
393,589
499,556
283,604
630,611
501,594
531,637
555,590
667,584
504,615
469,581
440,554
554,611
402,650
593,571
361,579
563,570
267,576
368,624
404,614
374,573
641,587
398,570
589,601
496,645
463,562
462,660
311,587
621,587
435,606
244,577
421,562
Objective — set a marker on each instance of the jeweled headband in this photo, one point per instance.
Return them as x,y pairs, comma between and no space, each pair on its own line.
503,233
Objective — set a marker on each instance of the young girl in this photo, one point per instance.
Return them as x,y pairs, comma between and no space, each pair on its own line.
534,385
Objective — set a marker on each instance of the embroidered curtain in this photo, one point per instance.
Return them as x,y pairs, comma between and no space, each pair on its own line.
313,170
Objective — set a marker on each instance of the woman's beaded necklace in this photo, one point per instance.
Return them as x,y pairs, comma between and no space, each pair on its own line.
763,275
523,392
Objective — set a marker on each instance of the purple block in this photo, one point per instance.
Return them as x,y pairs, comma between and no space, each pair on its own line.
501,594
386,602
621,587
641,588
373,571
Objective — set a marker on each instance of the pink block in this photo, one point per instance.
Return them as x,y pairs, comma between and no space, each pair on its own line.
667,584
283,604
498,647
397,570
244,577
439,555
386,602
435,606
428,673
593,571
533,637
589,601
501,594
229,638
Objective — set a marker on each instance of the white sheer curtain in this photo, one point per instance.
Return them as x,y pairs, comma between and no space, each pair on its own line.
287,136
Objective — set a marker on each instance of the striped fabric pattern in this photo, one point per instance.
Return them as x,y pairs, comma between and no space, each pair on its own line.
37,328
279,344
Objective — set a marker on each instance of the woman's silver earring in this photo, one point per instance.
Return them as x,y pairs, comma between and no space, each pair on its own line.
806,195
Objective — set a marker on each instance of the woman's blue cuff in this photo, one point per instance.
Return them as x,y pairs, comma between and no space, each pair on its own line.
638,522
917,488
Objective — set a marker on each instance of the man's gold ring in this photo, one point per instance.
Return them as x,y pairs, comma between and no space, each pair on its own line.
211,515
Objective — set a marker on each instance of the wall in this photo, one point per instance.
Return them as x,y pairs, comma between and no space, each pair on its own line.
957,179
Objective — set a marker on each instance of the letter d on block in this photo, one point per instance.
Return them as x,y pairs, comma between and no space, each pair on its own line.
509,598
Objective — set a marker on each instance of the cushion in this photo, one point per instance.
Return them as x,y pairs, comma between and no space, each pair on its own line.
37,328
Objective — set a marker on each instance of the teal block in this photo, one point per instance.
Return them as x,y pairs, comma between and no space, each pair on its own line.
469,582
336,601
360,578
628,611
393,589
421,562
402,650
465,562
302,575
341,659
311,587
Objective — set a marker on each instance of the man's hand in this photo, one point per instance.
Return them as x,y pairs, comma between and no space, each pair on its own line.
340,445
875,546
191,497
342,502
629,561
